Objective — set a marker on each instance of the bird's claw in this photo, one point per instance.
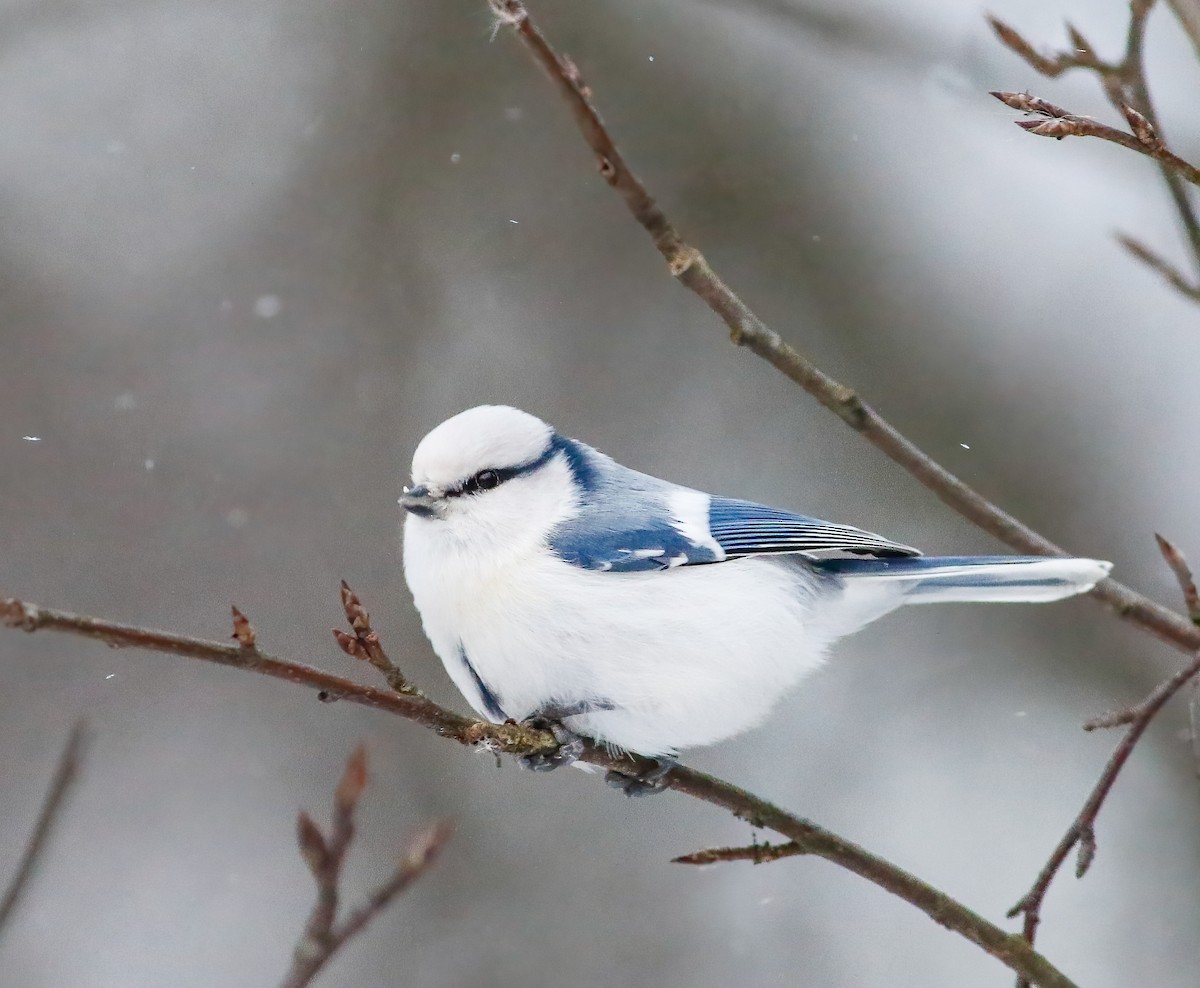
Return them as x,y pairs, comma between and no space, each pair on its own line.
570,746
645,783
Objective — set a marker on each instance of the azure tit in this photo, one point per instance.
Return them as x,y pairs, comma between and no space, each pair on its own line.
560,587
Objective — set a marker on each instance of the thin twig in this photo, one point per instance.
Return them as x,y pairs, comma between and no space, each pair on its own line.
325,856
503,737
1183,575
1009,948
1082,829
65,775
365,644
1059,123
1125,86
1174,277
1082,832
421,852
1132,73
757,853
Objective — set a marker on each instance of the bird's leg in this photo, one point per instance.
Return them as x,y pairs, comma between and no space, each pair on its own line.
570,744
647,782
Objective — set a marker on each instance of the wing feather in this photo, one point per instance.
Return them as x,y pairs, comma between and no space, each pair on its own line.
744,528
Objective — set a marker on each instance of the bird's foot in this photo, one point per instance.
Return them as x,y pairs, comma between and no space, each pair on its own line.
570,746
647,782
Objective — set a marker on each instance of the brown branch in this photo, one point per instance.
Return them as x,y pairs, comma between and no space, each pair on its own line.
758,853
1187,12
502,737
421,852
1009,948
1082,832
1171,274
1183,575
688,265
1059,123
65,775
323,936
1125,86
365,644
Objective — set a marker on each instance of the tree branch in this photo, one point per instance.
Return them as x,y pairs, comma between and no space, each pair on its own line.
746,329
1009,948
688,265
1171,274
758,853
323,936
1178,565
365,644
690,268
1126,88
1059,123
1082,832
65,775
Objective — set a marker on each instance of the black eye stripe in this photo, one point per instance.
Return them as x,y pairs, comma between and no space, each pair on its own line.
486,480
492,477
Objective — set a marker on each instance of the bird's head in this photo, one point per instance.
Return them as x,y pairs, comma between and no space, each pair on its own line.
493,474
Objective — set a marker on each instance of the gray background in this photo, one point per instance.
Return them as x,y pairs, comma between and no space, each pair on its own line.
252,253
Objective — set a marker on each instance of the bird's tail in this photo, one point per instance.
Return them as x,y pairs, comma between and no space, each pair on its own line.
994,579
872,587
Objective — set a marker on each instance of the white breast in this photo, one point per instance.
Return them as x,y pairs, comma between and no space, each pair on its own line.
683,657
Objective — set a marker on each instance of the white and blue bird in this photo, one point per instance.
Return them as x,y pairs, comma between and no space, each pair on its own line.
558,586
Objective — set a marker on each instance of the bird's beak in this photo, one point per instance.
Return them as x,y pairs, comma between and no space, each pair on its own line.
418,501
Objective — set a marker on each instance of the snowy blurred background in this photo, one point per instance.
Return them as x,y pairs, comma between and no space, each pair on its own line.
250,254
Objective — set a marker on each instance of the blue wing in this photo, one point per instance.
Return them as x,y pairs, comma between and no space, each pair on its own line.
743,528
618,549
607,541
629,522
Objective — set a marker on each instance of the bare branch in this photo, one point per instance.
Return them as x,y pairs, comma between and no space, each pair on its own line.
422,852
65,775
1126,88
1183,574
1082,832
1060,123
1052,65
514,739
1174,277
688,265
1188,14
502,737
323,936
1082,829
758,853
366,645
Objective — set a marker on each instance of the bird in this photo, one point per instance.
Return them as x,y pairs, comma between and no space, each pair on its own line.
564,590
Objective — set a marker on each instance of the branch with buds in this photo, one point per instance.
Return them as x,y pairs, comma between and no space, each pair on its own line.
325,855
1125,86
808,838
1059,123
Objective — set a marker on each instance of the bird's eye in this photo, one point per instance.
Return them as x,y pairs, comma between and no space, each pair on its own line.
485,480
